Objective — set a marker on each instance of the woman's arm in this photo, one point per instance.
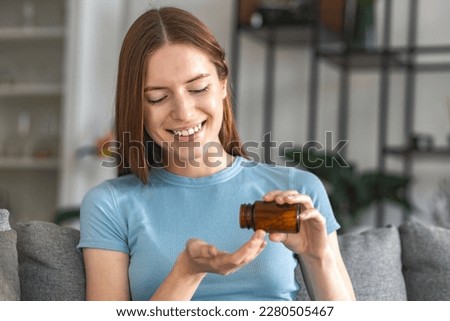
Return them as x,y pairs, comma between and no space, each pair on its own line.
107,271
200,258
106,275
107,278
180,284
319,253
326,279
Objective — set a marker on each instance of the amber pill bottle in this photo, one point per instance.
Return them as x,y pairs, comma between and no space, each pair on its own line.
271,217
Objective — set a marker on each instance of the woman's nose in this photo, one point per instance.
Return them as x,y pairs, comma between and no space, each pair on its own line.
183,109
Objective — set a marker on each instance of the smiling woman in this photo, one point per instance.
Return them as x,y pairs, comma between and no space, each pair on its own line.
184,105
167,228
146,44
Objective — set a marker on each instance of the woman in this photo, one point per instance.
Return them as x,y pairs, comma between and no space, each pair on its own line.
167,228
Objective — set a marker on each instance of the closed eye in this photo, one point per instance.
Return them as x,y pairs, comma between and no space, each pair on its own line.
157,101
199,91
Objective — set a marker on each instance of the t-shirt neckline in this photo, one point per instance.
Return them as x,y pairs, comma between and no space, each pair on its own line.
223,175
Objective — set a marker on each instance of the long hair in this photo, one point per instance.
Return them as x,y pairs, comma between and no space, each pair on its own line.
149,32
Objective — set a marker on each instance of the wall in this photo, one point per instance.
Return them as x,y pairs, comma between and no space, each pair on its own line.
95,28
216,14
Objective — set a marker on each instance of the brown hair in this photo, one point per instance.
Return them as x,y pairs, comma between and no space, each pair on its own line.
149,32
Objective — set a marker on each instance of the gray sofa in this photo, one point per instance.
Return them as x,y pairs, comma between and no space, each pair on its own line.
39,261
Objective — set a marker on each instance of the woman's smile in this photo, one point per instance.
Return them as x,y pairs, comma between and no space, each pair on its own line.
188,133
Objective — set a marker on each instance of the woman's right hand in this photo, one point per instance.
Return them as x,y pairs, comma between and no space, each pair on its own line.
202,257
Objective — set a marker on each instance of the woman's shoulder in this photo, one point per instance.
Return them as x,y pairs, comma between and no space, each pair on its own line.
275,169
118,185
300,179
125,181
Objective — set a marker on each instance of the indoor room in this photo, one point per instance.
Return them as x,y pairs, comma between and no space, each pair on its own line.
356,92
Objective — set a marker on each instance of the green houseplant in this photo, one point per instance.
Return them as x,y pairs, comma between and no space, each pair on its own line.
351,191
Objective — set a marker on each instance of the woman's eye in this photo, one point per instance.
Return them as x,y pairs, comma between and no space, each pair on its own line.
199,91
156,101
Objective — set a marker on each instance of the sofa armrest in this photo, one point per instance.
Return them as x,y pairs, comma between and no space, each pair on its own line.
9,272
50,266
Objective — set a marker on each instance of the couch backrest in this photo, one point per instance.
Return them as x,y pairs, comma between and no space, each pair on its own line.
50,266
373,261
426,261
411,262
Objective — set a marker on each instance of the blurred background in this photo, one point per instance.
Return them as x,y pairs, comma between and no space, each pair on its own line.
365,84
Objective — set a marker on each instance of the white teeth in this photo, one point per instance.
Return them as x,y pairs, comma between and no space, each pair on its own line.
189,131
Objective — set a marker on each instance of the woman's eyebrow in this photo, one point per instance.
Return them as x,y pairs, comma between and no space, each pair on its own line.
199,76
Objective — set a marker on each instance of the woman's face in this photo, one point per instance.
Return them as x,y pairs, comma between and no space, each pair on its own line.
183,101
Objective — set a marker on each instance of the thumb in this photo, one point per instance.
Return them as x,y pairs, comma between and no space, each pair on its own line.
196,247
278,237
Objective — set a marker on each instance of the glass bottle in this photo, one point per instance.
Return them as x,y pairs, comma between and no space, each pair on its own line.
271,217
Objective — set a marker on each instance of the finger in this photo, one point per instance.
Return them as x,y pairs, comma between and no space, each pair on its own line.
198,248
207,251
312,215
303,199
261,248
270,197
263,243
279,196
250,249
212,250
241,258
285,196
257,238
193,246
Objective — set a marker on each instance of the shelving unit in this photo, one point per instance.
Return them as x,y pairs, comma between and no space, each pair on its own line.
434,152
385,59
31,33
30,89
9,163
32,40
298,35
345,57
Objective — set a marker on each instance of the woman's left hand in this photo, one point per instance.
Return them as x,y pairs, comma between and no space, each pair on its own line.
312,239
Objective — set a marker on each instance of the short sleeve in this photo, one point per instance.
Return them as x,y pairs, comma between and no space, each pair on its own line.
309,184
101,224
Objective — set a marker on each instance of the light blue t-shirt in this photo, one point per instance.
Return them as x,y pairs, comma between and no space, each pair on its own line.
153,222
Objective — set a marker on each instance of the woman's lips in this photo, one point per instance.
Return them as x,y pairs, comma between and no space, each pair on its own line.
188,134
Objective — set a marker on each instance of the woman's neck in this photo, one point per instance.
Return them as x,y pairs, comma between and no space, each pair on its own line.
204,165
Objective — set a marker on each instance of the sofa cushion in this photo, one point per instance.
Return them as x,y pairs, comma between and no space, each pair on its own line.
373,261
50,267
426,261
9,273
